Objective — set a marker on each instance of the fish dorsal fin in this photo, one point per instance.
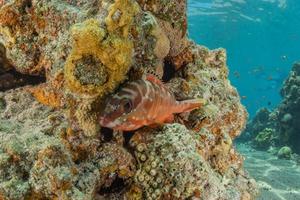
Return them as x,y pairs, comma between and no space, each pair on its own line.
154,79
153,71
152,76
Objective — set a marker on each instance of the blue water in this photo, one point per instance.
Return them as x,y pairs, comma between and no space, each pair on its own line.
262,39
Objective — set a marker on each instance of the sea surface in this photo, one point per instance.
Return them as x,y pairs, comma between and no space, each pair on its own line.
262,39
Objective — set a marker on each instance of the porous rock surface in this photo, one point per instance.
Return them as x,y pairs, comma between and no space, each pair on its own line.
52,146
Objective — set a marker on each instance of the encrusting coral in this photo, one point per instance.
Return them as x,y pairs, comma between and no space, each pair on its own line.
50,160
52,145
170,166
101,58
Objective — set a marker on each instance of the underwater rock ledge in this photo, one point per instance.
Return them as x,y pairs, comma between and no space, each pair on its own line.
52,146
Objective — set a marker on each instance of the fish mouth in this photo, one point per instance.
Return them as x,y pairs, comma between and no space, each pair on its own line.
105,122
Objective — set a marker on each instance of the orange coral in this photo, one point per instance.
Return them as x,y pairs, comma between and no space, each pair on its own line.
46,95
8,16
229,119
12,21
57,185
124,161
50,93
81,150
185,57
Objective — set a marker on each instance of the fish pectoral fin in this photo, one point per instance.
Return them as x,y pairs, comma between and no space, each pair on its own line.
169,119
184,116
154,125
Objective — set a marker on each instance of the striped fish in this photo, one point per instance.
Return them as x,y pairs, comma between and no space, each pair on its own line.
145,102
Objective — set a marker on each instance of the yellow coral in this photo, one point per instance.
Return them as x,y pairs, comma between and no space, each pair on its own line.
87,118
101,58
134,193
121,15
6,33
162,46
114,53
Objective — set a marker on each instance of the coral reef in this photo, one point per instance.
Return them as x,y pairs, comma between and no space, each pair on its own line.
285,152
284,120
10,78
52,145
264,139
42,159
170,167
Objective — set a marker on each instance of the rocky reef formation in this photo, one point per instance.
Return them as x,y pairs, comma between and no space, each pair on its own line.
10,78
280,127
52,146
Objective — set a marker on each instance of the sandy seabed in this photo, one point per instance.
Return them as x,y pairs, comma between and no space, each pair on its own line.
278,179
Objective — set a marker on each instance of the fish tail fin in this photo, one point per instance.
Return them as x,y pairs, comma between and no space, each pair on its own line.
189,105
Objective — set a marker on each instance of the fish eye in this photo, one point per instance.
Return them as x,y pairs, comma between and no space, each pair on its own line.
127,105
115,107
